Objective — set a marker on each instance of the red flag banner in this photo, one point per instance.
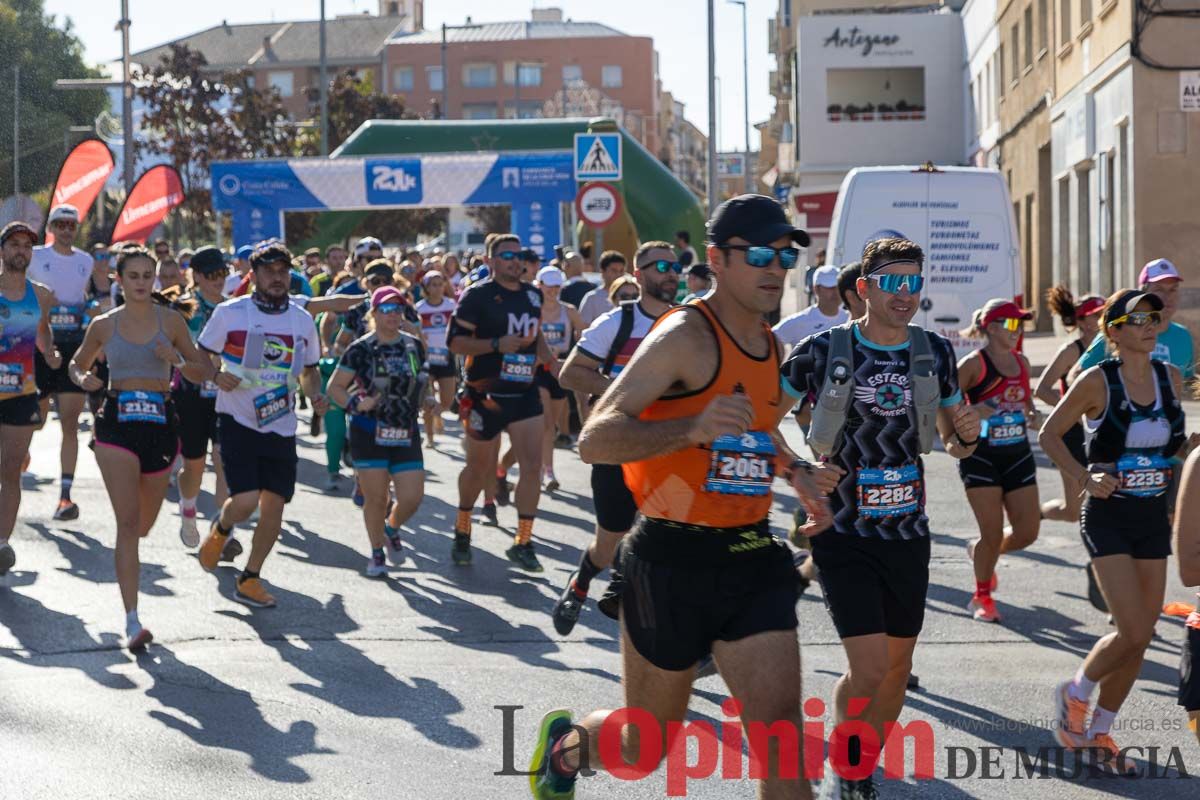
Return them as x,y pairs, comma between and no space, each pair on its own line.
81,177
153,196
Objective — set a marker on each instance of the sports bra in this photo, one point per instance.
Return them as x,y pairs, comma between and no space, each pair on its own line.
127,360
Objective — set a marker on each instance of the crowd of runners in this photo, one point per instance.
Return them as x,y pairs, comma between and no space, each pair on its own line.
664,365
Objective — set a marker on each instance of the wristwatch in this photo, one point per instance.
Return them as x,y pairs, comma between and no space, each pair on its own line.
965,443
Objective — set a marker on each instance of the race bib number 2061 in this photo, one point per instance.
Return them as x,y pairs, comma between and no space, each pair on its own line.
741,464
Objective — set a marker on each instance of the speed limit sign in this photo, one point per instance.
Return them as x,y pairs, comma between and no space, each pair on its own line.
597,204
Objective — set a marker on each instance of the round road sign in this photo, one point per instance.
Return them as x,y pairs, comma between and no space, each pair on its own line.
597,204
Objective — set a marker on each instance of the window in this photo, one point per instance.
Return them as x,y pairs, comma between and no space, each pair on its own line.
1029,36
529,74
1016,53
572,73
1085,12
479,111
1043,25
1083,221
281,81
528,109
402,79
1000,71
479,76
610,76
874,94
433,79
1064,22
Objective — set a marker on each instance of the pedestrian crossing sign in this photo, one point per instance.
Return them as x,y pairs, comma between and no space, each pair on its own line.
597,156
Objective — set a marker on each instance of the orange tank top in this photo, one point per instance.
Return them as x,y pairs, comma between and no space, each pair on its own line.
725,483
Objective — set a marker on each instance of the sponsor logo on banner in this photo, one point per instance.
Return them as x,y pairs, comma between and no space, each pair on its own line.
230,184
394,181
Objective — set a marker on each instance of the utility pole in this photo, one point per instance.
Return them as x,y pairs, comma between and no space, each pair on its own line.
16,131
126,99
324,88
746,96
712,113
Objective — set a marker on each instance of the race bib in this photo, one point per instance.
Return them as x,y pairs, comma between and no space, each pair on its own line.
518,367
272,405
12,378
65,319
389,436
1003,430
555,334
439,357
889,492
742,465
142,407
1144,476
208,389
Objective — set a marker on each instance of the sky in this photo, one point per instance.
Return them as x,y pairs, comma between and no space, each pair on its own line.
678,27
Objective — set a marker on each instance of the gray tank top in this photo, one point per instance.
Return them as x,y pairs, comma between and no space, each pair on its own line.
128,359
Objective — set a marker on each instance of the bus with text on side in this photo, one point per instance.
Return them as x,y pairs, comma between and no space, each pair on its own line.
962,217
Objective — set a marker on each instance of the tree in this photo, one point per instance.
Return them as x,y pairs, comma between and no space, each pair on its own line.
45,50
352,101
491,218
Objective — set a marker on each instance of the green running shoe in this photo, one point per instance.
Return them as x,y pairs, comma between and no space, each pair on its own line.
523,556
545,783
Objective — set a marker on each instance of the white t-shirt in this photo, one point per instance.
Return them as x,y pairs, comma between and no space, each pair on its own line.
806,323
597,340
434,322
262,349
594,304
67,276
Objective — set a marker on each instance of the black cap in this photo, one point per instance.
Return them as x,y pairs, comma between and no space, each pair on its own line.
207,260
699,271
13,228
1127,300
756,218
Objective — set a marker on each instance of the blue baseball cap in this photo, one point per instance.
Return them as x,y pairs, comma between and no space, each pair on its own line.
244,252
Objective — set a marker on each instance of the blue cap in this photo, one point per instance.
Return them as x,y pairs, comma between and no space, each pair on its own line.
244,251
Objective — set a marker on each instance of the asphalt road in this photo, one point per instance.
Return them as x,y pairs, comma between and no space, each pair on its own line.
365,688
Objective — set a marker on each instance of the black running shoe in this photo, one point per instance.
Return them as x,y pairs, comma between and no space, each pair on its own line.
523,556
232,549
502,492
489,513
566,610
460,553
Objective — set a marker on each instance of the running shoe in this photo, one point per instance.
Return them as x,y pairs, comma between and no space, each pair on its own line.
489,513
251,592
189,534
1095,596
8,558
984,607
566,610
231,550
1102,753
914,682
213,547
503,488
395,549
139,640
995,584
333,482
376,566
564,441
460,553
551,484
545,783
358,495
1071,718
314,427
523,556
66,511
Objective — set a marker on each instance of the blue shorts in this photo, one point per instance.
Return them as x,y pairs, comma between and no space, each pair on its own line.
395,458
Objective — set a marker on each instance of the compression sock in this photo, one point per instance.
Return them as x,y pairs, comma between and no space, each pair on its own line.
1081,688
524,530
68,478
462,523
983,588
587,571
221,529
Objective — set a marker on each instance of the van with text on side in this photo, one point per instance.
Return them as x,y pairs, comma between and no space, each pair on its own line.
961,217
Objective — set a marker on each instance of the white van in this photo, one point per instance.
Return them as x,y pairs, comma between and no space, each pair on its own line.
963,219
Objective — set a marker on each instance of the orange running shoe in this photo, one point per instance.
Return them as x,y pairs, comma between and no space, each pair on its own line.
1102,753
984,607
251,592
210,551
1071,715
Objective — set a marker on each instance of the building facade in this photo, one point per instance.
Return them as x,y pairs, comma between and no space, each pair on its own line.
982,41
684,147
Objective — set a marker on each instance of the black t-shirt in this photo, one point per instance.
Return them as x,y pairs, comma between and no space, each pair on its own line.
496,312
390,371
573,293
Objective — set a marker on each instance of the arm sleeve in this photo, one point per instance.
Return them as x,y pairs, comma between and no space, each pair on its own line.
1097,351
212,338
598,337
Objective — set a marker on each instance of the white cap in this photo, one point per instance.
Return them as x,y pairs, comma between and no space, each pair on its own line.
65,211
551,276
366,244
826,276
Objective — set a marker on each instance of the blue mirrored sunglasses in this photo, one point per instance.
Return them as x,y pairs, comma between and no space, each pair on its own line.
761,256
662,266
389,308
508,255
893,284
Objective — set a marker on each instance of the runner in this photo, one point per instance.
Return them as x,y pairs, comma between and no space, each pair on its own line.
496,327
1000,476
1132,406
136,431
25,308
267,345
1083,317
1187,550
703,389
435,310
196,404
382,382
601,353
699,281
896,384
66,270
596,302
820,316
848,290
560,324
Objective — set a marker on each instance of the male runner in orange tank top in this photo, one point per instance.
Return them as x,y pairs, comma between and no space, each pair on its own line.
693,420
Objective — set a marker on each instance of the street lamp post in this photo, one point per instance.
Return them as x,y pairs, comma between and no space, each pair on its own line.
126,98
324,95
712,113
746,95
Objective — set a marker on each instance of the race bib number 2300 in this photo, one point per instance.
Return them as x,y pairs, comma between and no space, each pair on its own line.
742,464
272,405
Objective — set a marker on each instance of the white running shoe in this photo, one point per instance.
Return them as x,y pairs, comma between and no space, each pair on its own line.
376,567
189,534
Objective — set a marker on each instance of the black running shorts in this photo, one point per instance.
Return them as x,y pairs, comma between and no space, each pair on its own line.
614,503
873,585
1134,526
197,420
550,383
369,454
156,444
255,461
24,410
485,416
55,381
1189,665
1009,468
